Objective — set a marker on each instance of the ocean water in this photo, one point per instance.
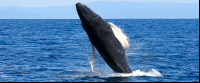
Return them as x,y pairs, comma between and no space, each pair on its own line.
161,50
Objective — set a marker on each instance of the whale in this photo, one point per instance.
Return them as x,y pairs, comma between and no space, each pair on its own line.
103,38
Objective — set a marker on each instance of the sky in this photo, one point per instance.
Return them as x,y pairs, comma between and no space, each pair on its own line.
46,3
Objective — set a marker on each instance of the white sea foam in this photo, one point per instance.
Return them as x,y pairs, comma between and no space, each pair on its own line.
120,35
103,74
152,73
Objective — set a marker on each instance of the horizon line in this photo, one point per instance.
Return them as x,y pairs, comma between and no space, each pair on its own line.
78,18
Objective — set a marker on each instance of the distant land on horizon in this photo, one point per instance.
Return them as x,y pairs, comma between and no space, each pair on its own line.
107,10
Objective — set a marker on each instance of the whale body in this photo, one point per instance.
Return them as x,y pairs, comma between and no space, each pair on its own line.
102,37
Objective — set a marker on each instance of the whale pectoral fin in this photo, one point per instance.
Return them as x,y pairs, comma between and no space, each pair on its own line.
93,57
123,39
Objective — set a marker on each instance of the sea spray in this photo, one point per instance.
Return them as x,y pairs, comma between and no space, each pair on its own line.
151,73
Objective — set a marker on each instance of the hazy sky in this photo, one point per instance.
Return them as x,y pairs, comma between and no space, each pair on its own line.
45,3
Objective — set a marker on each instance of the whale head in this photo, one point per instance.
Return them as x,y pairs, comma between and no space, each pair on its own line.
87,16
93,24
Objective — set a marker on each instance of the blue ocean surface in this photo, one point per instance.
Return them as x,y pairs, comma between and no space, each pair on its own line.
59,50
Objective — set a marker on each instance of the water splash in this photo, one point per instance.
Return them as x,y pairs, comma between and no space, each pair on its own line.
102,74
152,73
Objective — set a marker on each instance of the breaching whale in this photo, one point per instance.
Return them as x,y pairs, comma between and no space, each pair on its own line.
103,38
